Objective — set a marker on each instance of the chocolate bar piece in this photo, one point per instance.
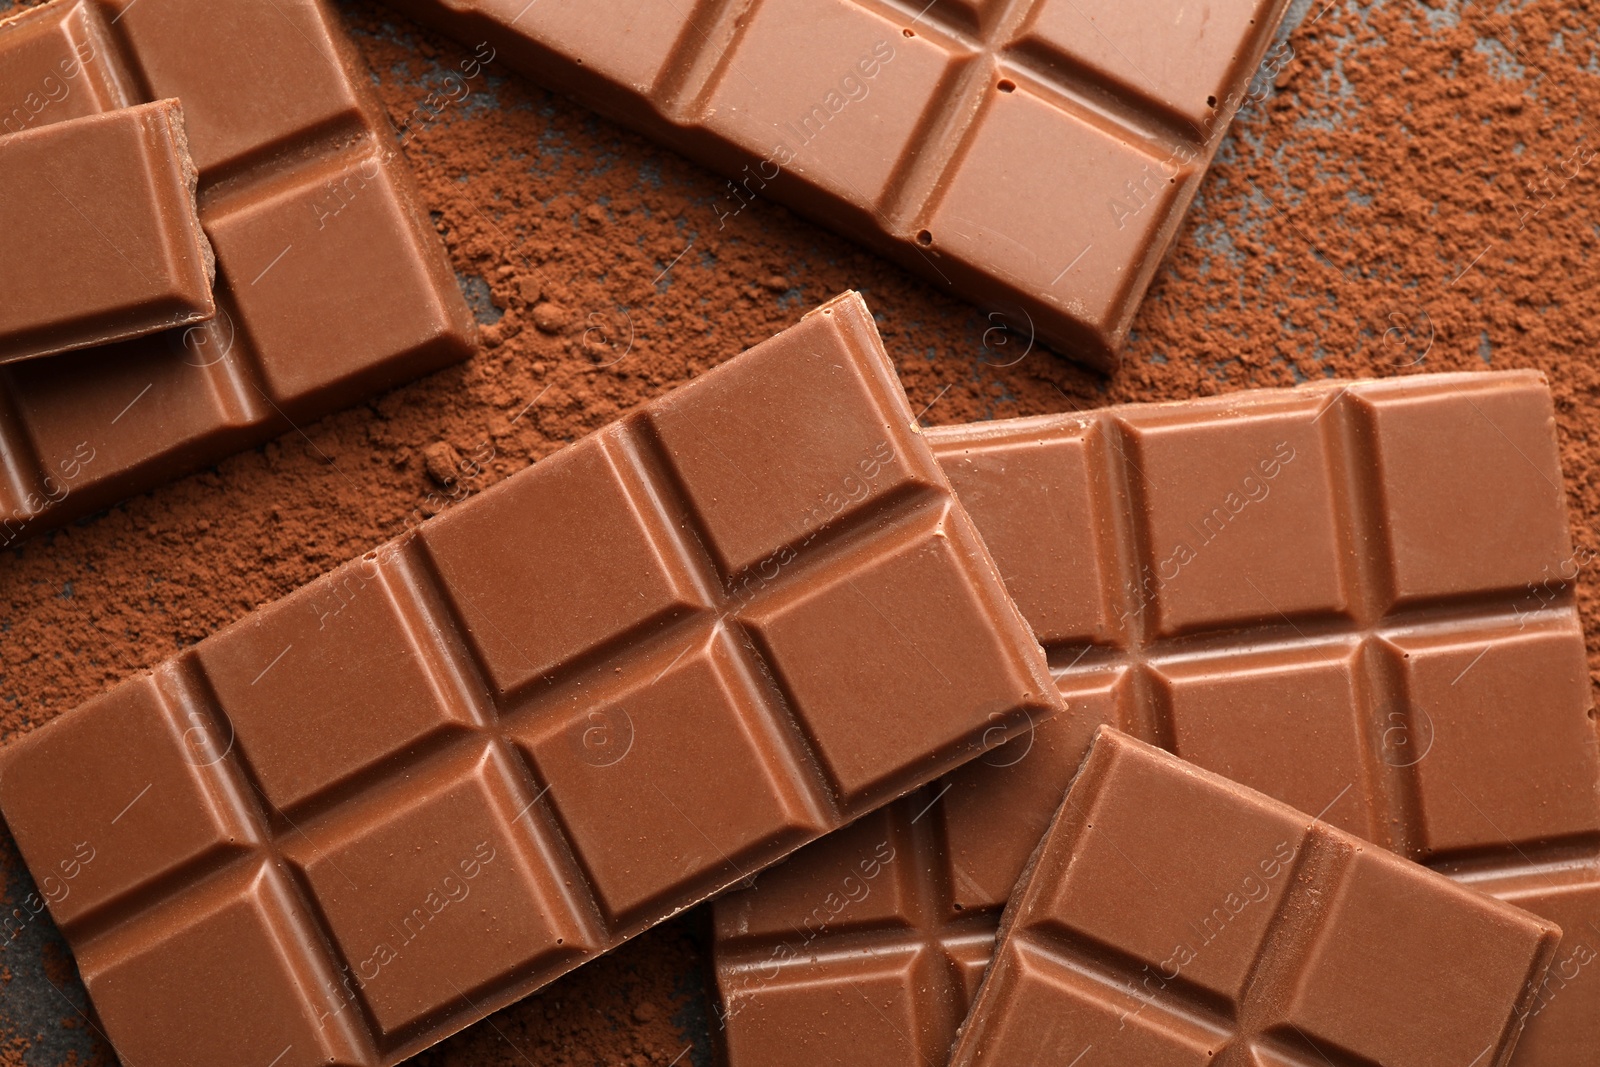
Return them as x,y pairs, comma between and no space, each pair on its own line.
435,780
1171,916
331,282
111,197
1037,157
1355,598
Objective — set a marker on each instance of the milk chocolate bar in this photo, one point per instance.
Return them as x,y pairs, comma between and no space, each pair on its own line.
435,780
1174,917
331,282
1036,156
102,239
1356,598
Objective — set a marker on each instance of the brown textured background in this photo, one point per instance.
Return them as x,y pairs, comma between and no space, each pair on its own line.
1417,193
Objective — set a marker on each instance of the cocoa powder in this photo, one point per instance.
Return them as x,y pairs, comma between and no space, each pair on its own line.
1417,194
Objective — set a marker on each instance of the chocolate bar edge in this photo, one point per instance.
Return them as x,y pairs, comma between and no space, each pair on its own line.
857,330
548,67
34,495
1108,742
191,276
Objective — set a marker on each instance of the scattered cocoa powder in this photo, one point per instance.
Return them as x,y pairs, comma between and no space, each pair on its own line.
1375,216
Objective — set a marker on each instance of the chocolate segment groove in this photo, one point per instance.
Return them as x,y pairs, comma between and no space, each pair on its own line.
1403,676
331,283
447,773
1035,156
1292,977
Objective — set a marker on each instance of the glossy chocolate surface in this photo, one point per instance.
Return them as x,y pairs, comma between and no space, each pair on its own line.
1355,598
433,781
331,282
1174,917
111,197
1034,156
